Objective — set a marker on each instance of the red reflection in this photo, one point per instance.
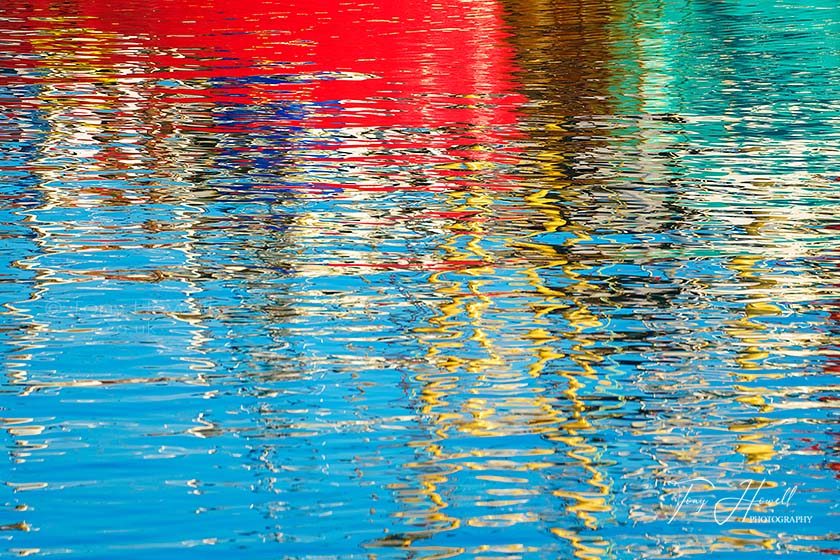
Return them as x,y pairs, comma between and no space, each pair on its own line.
448,57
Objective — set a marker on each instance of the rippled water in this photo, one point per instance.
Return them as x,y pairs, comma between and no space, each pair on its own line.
486,279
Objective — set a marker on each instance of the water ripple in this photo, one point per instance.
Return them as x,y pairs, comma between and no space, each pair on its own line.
495,279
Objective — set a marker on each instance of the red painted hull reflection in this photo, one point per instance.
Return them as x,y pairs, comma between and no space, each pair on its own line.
449,58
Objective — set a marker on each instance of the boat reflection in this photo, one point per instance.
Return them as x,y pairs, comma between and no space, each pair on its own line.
495,284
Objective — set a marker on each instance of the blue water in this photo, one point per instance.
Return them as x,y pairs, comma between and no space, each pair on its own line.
434,280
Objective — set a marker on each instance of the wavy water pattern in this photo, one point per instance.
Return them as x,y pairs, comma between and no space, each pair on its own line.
455,279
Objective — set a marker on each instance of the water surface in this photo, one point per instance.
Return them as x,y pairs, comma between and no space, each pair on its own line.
488,279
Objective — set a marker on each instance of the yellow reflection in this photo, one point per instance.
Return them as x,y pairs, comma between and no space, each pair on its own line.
585,548
753,344
475,350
